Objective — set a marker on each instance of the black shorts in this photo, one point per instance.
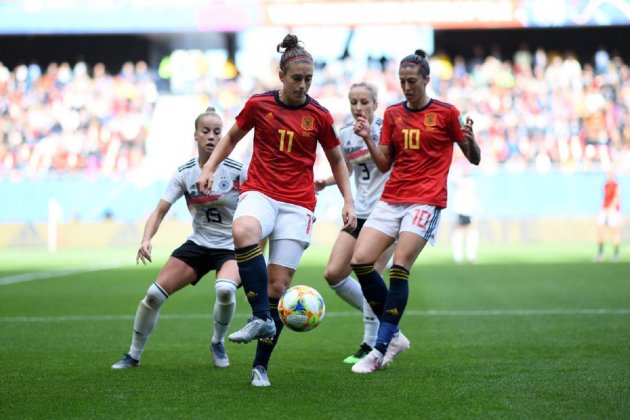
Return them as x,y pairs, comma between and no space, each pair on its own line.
360,223
463,220
202,259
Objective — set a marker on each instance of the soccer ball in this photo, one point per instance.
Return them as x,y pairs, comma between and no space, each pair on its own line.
301,308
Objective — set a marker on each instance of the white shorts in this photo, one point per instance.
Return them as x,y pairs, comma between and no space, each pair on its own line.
278,220
609,217
391,219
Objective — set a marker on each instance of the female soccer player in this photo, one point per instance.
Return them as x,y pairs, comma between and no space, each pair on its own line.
369,182
278,198
210,247
417,141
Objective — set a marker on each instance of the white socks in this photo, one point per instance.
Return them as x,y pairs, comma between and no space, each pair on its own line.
146,317
370,325
349,290
224,306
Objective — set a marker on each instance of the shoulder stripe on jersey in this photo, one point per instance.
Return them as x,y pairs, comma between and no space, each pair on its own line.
233,164
260,95
346,125
444,104
187,165
399,104
317,105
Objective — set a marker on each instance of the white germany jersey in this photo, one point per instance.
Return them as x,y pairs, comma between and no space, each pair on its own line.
213,213
368,179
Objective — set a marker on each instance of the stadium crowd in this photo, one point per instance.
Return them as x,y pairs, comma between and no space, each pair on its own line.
535,110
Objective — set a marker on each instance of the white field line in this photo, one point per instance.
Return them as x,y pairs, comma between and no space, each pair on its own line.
430,313
49,274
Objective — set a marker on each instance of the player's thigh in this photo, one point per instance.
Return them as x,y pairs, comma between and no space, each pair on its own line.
175,275
370,245
408,248
338,267
293,222
254,218
229,271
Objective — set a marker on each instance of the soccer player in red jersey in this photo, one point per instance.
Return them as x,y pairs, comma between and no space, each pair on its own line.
278,197
609,219
417,145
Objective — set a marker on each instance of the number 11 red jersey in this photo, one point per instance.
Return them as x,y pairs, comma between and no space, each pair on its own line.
285,146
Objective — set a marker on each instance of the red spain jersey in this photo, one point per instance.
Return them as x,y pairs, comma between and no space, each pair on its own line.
421,142
285,146
611,191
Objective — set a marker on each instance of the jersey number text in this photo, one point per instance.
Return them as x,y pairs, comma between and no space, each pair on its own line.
289,140
411,138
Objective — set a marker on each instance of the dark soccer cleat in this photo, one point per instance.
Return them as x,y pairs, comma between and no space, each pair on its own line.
363,351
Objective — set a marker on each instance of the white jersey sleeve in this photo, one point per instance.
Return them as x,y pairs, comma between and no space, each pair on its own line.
212,213
369,180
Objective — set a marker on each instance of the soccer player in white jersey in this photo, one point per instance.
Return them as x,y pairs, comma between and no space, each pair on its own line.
369,182
209,247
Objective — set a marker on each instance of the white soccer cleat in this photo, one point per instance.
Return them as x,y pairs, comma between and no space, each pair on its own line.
399,344
369,363
259,377
255,329
126,362
219,356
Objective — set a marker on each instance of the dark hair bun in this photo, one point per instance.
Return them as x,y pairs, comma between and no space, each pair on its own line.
421,53
289,42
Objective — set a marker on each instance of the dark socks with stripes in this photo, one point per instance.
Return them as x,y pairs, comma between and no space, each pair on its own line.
253,271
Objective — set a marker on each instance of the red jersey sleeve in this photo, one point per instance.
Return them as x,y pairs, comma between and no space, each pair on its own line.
245,118
328,137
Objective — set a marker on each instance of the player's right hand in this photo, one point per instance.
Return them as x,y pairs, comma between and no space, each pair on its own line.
361,127
144,253
204,182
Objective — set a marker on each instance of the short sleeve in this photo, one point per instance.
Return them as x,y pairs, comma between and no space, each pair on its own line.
245,118
175,188
328,138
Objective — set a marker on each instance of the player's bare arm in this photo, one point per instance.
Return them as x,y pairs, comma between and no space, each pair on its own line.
224,148
150,229
469,146
342,179
381,156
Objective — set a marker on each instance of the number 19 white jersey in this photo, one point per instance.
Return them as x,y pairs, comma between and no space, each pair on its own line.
212,213
368,179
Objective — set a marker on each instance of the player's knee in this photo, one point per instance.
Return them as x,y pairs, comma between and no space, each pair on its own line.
226,291
155,296
331,275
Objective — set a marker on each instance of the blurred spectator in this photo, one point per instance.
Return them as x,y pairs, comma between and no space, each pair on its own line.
542,110
63,120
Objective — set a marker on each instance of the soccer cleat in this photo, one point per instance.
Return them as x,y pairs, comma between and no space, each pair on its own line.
615,258
598,258
363,351
399,344
369,363
254,329
126,363
259,377
219,356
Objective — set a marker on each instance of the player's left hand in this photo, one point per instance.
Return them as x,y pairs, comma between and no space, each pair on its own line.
468,129
320,184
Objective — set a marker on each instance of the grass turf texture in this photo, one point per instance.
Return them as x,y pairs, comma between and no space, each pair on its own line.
531,332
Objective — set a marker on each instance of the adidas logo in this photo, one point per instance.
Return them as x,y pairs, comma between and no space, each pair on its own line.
251,294
267,341
269,115
393,311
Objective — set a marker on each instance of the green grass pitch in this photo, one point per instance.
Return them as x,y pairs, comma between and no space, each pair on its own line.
529,332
